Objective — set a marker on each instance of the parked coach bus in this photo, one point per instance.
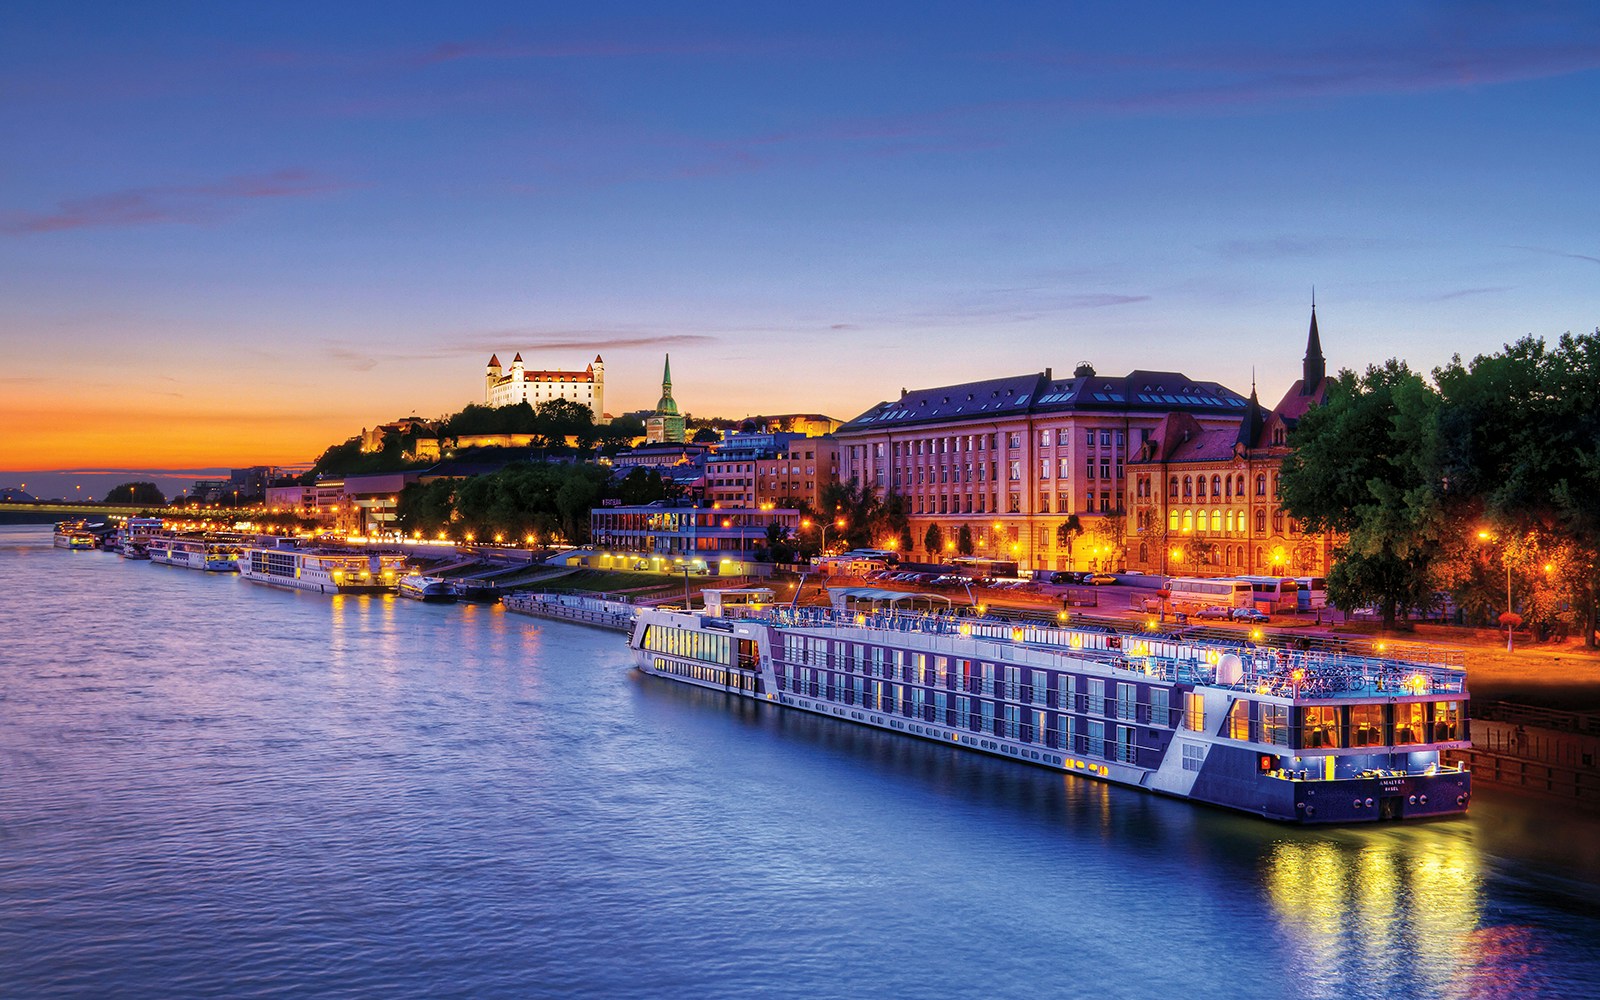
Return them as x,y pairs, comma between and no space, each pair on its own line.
1205,592
1313,592
1278,593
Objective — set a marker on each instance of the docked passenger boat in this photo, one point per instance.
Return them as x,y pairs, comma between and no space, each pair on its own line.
321,571
434,589
74,535
132,537
1328,736
475,591
212,553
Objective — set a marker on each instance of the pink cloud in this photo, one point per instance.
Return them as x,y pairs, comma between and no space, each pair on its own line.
188,204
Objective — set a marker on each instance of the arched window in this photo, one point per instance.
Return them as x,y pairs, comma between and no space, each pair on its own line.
1261,484
1203,522
1144,553
1258,555
1172,520
1188,486
1275,484
1216,486
1230,520
1238,488
1277,522
1188,521
1216,520
1200,487
1261,523
1172,488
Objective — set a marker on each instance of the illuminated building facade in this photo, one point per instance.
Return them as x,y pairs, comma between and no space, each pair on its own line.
1010,459
1205,499
520,384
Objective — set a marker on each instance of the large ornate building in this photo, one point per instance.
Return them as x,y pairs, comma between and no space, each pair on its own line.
520,384
1205,499
1010,459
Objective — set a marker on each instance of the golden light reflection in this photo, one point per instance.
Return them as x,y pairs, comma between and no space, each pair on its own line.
1381,907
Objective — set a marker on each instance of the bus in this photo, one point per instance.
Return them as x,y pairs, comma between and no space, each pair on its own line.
1207,592
1313,592
1278,593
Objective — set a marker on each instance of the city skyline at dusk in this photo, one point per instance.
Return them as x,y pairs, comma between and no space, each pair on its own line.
234,237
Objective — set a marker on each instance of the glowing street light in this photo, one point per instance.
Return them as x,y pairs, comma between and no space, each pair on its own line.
1510,619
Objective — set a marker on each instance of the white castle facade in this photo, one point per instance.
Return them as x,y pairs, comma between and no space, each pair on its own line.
520,384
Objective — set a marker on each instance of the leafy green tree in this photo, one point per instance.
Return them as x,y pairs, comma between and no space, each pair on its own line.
933,542
706,435
141,493
1067,533
964,540
1365,467
906,542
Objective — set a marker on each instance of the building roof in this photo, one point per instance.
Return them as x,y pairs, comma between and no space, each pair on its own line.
1041,393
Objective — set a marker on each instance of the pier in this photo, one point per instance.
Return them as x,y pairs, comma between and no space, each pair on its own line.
615,616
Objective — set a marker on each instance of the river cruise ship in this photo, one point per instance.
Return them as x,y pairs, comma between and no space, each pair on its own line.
74,535
211,553
323,572
1331,735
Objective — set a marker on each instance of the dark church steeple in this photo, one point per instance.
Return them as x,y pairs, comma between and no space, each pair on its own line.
1252,423
1315,368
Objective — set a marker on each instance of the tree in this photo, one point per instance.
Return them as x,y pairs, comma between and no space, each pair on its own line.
1067,532
906,541
933,542
1109,534
140,493
1365,466
706,435
964,540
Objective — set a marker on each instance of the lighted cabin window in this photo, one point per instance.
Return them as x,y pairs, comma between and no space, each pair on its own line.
1275,724
1410,725
1319,727
1097,696
1239,720
1194,716
1446,720
1366,725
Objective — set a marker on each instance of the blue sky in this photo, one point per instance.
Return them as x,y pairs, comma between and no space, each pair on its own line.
232,234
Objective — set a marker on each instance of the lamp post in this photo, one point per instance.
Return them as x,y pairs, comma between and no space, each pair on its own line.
838,522
1485,536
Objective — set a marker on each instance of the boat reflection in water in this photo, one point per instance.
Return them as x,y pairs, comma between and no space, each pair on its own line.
1402,915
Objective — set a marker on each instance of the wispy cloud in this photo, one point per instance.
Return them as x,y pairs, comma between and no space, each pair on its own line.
359,358
187,204
1462,293
1275,247
1557,253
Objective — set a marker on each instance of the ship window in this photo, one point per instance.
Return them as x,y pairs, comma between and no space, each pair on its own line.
1194,756
1160,705
1275,724
1446,720
1195,713
1239,720
1320,727
1408,723
1366,725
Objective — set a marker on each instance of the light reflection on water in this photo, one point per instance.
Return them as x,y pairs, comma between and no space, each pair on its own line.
212,787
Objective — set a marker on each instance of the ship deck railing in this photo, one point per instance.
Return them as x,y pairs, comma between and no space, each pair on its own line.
1272,671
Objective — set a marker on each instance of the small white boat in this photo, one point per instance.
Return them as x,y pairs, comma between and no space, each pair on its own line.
427,588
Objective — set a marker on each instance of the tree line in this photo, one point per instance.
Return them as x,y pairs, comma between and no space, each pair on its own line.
1483,478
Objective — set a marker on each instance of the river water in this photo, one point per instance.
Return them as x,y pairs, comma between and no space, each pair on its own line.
213,788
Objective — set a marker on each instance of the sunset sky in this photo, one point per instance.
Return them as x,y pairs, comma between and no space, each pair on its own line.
232,234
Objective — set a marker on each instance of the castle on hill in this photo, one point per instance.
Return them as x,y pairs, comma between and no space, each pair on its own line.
520,384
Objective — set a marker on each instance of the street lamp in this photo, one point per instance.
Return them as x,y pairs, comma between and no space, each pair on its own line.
1485,536
838,522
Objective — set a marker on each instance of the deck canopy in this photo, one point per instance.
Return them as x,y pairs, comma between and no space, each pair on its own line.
872,599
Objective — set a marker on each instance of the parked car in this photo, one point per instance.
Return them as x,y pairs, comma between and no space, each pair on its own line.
1214,612
1099,579
1250,615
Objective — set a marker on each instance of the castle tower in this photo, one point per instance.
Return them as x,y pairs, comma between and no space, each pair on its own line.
599,370
491,378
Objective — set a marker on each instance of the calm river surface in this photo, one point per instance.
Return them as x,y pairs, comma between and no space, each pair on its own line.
212,788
